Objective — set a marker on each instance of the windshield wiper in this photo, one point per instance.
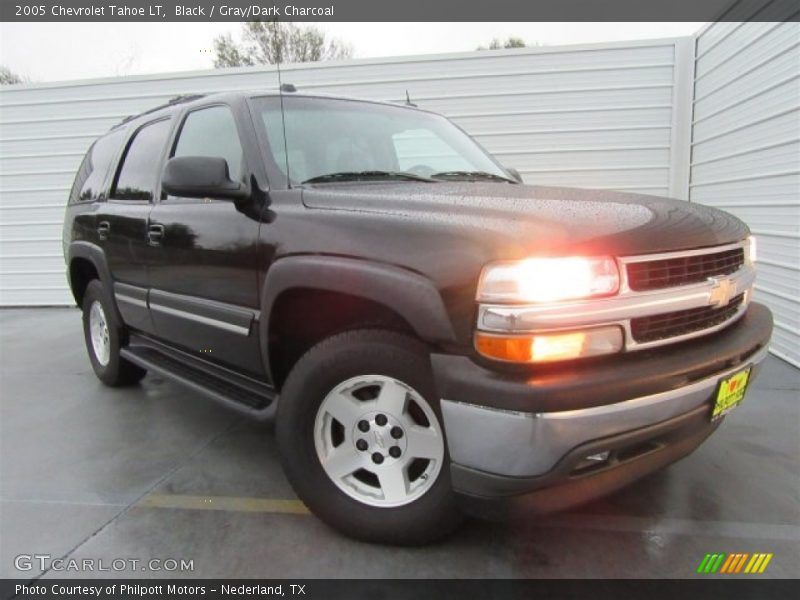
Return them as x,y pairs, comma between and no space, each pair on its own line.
362,175
471,175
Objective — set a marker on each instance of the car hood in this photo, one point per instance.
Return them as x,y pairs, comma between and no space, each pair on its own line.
538,219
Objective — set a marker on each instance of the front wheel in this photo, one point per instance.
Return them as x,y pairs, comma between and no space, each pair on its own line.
361,439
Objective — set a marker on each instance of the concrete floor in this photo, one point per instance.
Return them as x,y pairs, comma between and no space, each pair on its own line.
156,471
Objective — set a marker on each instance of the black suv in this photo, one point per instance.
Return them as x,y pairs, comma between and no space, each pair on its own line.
431,335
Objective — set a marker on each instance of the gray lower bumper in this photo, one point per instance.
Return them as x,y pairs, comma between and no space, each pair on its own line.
520,444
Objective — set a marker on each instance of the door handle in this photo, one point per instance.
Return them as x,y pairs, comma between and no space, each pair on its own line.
155,233
103,229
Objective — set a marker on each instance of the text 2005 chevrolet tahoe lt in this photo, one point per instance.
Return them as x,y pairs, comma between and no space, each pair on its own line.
430,334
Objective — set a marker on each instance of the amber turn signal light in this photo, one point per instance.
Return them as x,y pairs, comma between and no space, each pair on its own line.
549,347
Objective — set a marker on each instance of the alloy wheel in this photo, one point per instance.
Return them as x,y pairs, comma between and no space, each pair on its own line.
379,441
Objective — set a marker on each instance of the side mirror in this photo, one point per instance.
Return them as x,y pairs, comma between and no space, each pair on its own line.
514,174
201,177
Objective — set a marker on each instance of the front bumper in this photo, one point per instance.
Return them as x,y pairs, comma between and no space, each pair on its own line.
532,432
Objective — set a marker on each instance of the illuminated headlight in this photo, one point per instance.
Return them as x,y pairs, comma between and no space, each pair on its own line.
750,250
549,347
548,279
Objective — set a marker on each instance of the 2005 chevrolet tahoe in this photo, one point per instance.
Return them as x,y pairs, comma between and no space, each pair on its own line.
430,334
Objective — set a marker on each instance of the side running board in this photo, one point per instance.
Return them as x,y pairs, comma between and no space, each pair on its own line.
254,398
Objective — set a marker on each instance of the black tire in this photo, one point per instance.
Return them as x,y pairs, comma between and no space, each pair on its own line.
331,362
117,371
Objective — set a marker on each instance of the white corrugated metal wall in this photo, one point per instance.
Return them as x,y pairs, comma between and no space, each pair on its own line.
601,115
746,152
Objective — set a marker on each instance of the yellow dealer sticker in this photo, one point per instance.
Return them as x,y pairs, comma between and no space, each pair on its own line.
730,393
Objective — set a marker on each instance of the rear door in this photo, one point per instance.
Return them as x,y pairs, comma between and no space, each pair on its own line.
203,266
122,221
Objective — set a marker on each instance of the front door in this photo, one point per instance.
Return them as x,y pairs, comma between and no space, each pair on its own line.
122,221
203,276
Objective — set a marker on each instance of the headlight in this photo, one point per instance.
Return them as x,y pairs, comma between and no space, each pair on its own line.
548,279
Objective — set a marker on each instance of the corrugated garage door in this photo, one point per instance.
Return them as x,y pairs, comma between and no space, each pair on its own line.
602,115
746,152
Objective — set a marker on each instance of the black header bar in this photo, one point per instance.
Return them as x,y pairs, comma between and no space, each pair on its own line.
709,588
397,10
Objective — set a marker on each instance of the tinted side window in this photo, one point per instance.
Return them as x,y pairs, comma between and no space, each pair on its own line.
212,132
94,168
139,172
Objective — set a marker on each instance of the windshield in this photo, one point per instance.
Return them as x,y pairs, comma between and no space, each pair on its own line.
354,140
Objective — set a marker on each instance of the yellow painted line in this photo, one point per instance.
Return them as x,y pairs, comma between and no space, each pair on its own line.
764,564
728,562
226,503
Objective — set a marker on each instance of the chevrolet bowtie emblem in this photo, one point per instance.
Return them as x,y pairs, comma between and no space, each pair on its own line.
722,290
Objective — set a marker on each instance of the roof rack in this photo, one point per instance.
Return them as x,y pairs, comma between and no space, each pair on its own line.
172,101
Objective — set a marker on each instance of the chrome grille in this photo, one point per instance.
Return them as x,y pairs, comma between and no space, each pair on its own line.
682,322
682,270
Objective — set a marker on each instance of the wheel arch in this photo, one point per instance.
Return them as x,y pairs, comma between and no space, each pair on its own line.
379,293
87,261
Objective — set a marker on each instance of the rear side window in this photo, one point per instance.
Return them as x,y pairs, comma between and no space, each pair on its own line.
88,184
212,132
139,171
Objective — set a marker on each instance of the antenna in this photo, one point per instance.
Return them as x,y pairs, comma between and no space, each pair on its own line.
283,119
408,100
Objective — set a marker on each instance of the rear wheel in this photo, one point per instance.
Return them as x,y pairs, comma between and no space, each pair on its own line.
361,439
103,337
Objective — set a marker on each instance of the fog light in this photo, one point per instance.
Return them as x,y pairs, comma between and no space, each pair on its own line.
557,347
549,347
